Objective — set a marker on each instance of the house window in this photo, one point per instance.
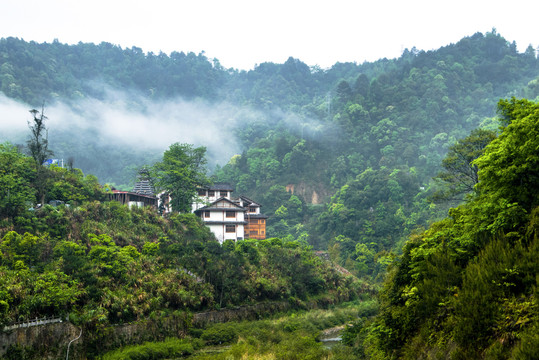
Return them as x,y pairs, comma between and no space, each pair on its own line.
262,221
224,193
252,209
201,192
231,214
206,214
211,193
230,228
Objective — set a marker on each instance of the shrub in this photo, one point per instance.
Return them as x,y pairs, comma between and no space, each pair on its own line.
220,334
169,348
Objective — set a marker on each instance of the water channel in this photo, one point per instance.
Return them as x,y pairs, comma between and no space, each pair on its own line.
332,336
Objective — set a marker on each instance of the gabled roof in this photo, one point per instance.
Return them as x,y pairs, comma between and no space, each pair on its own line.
219,186
213,206
249,201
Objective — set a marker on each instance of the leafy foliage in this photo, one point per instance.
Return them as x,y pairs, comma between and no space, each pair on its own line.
294,336
104,263
19,190
467,287
361,157
509,167
180,173
16,177
459,176
162,350
38,148
342,159
110,264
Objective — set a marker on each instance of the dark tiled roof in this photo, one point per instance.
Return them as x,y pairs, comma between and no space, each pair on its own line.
213,206
256,216
220,186
130,193
249,201
143,187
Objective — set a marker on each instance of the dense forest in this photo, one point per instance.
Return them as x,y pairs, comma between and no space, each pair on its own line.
466,288
103,263
363,162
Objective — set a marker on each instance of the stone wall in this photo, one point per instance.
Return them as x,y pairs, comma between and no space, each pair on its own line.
43,342
50,341
252,312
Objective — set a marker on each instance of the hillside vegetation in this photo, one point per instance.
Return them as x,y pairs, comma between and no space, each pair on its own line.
110,264
102,263
466,288
399,162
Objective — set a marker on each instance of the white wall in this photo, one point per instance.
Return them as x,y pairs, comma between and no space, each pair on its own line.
221,235
221,216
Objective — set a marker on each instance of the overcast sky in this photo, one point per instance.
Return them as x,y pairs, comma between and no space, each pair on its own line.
242,33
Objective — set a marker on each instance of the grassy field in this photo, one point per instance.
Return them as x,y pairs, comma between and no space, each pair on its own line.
291,336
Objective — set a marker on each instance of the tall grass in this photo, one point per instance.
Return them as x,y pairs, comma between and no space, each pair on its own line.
170,348
291,337
294,336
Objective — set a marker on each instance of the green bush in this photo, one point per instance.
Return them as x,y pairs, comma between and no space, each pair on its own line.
170,348
220,334
528,347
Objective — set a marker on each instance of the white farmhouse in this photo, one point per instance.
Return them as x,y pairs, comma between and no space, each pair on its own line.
228,218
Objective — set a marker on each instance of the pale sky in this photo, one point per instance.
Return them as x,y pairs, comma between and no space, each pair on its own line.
243,33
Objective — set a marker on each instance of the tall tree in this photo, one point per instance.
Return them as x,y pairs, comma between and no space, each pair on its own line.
509,168
38,148
459,176
180,173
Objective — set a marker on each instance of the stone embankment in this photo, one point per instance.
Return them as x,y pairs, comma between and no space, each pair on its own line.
49,338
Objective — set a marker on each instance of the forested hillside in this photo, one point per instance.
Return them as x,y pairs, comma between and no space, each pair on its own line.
373,149
356,161
102,264
466,288
357,145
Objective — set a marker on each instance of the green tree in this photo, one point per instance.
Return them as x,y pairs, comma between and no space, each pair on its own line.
459,176
180,173
344,91
38,147
509,168
16,177
71,185
361,85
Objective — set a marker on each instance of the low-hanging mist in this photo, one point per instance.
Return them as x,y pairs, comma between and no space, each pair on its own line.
125,125
114,136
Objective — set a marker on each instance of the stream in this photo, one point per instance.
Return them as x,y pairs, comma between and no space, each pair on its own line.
331,336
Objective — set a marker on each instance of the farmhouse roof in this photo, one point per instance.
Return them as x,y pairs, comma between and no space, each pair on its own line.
213,206
143,187
220,186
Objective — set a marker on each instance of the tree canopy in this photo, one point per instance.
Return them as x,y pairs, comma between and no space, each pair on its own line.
459,175
467,286
179,174
510,165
